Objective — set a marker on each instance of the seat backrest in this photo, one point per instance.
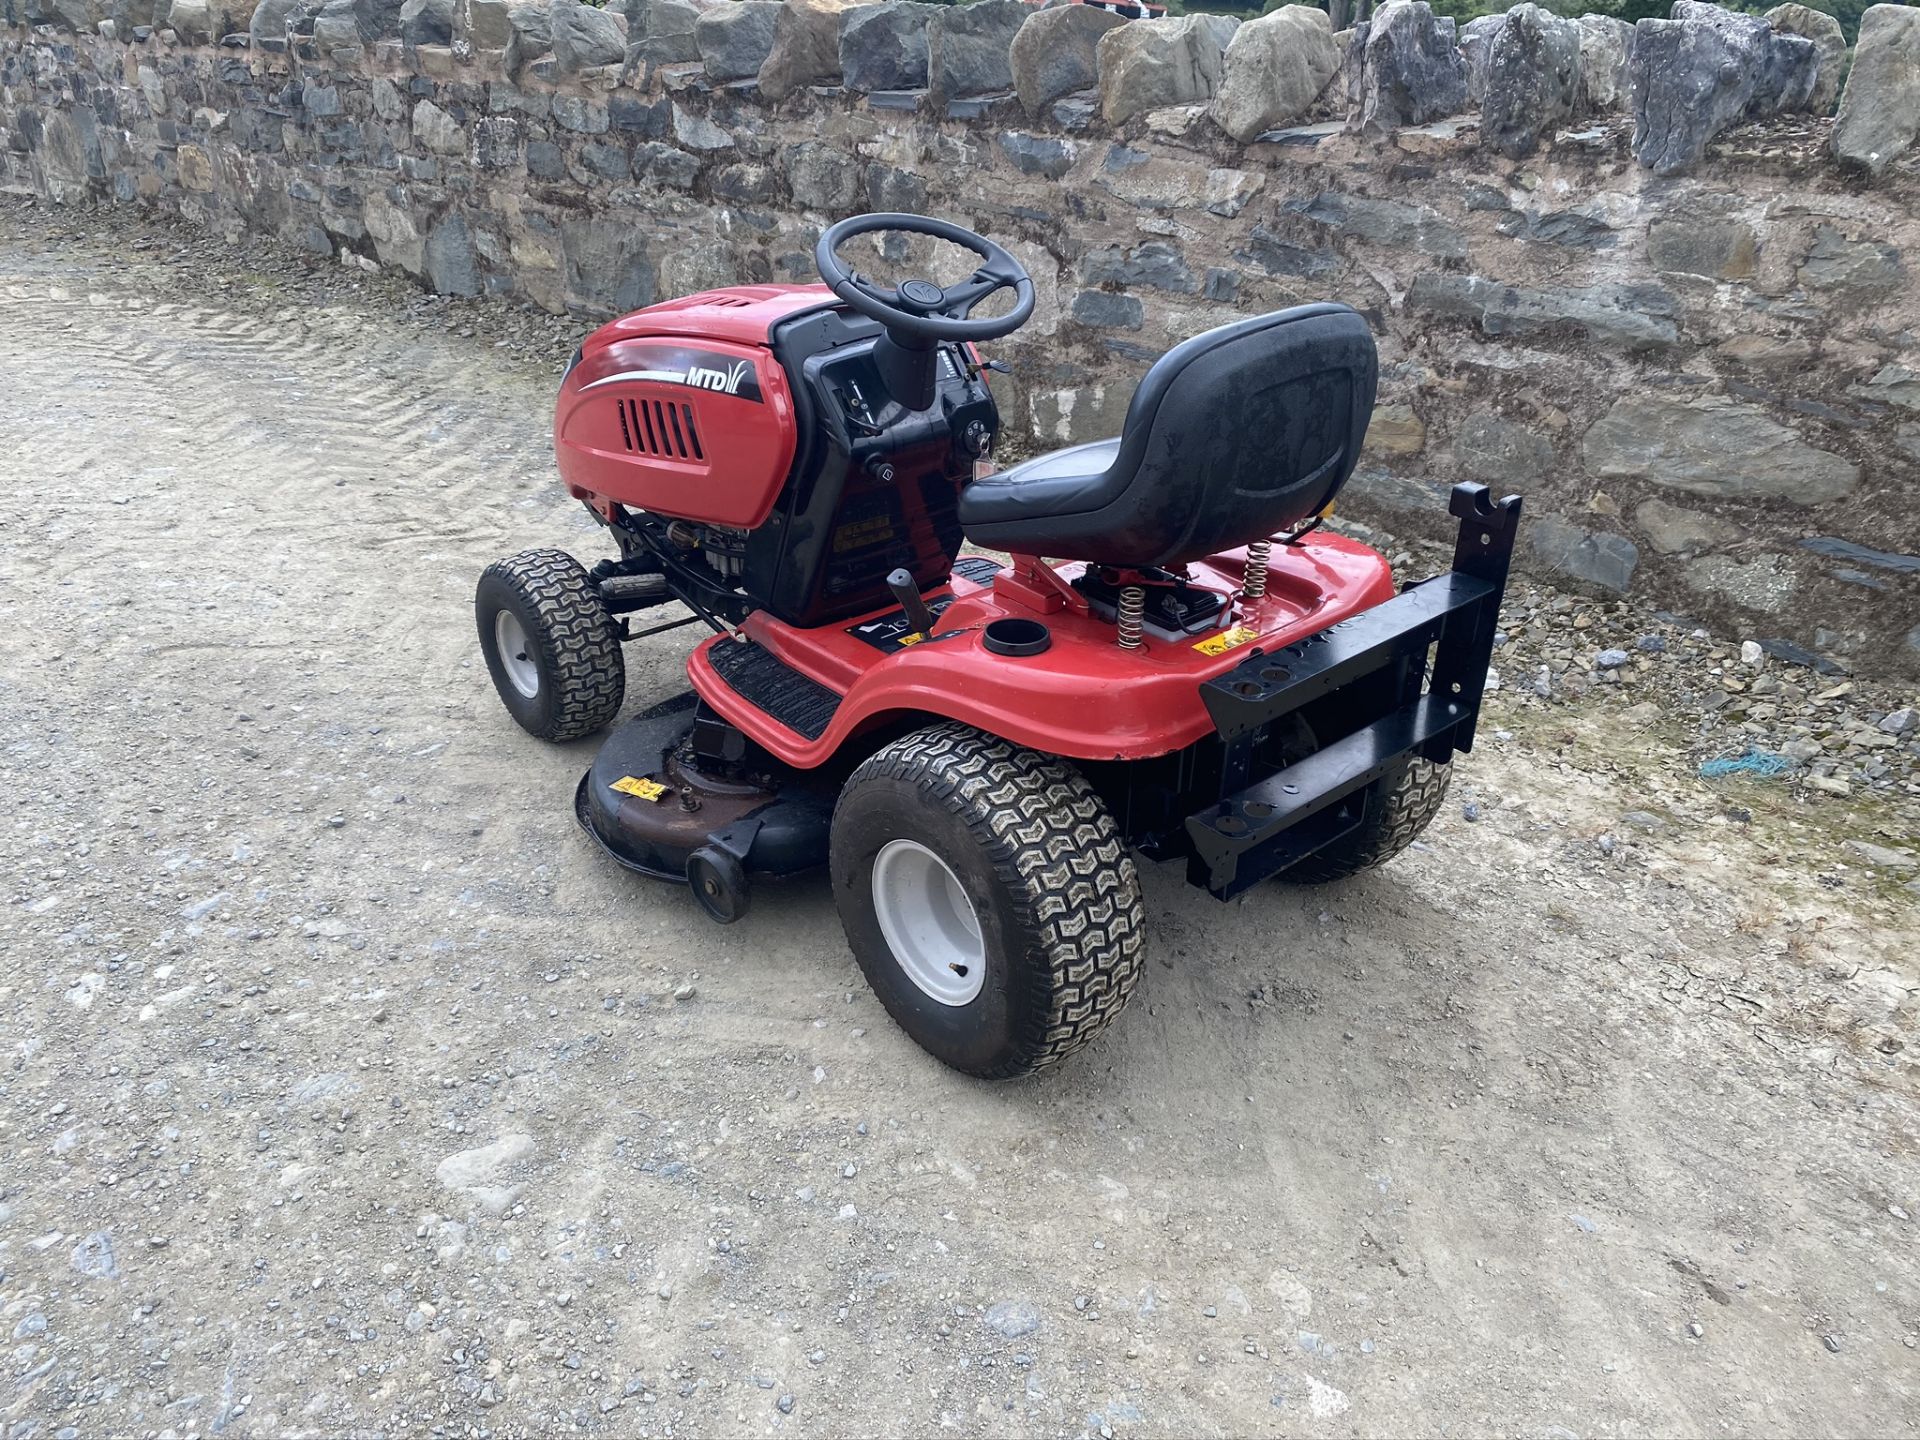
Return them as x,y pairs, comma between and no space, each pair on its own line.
1239,433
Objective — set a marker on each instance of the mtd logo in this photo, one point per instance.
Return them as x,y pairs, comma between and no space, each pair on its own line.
727,381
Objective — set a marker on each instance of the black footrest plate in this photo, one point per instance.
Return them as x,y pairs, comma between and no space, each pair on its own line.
767,682
977,568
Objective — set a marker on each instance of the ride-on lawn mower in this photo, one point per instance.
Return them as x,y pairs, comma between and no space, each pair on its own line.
976,747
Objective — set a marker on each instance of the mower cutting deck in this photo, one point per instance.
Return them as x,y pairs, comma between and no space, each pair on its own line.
976,748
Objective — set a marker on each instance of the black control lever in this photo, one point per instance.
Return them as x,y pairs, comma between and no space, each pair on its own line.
900,582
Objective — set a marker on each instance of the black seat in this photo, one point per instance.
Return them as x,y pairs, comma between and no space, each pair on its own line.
1234,435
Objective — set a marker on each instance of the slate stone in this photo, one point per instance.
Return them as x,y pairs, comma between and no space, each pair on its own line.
607,160
545,160
1077,111
372,19
1053,53
663,165
822,177
584,36
1838,549
1154,263
496,143
1533,75
1385,222
1631,316
580,115
1703,245
1229,191
426,22
79,16
273,20
257,130
191,20
530,37
1830,48
649,118
806,47
1372,485
968,47
1167,62
1038,154
696,132
1606,43
437,130
1409,70
735,39
1880,112
1575,229
884,47
745,185
1278,256
606,266
1500,451
451,267
664,32
1107,311
1476,48
1274,71
1891,385
1674,530
483,24
1711,445
1588,556
895,190
1704,70
1857,267
1221,285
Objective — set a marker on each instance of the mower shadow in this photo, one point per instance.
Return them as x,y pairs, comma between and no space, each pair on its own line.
1238,991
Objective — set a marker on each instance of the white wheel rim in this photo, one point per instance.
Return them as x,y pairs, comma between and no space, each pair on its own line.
929,923
516,655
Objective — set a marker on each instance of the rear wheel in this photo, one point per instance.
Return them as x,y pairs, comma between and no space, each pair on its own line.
988,897
1400,804
550,644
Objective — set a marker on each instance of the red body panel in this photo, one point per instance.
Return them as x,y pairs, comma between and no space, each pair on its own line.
681,409
1085,697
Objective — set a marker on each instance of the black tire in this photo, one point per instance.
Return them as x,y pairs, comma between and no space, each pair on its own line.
1052,887
1400,804
580,676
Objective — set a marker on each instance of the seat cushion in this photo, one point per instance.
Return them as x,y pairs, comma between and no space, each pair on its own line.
1060,482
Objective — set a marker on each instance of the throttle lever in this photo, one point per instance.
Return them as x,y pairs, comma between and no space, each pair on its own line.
900,582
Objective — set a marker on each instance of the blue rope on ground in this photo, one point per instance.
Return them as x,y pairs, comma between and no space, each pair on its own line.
1760,764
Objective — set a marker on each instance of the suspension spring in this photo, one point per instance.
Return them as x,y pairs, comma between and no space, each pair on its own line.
1256,580
1133,606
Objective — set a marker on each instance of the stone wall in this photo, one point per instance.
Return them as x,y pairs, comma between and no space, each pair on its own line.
1705,376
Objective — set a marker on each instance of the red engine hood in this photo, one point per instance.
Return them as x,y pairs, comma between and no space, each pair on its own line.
744,314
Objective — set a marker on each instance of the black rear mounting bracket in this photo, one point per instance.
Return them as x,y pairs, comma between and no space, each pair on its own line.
1260,829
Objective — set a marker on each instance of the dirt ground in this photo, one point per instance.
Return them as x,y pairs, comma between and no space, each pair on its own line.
348,1091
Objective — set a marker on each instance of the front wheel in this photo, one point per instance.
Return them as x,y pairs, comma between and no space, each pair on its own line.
988,897
1400,804
550,644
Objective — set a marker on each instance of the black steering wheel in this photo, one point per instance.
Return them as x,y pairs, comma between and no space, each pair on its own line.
919,308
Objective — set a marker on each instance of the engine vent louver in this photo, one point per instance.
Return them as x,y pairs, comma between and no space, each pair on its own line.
660,427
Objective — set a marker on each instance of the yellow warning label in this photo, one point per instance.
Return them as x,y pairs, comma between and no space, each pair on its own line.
861,533
914,639
634,785
1227,640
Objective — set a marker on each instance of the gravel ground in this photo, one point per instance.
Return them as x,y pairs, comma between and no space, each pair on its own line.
347,1091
